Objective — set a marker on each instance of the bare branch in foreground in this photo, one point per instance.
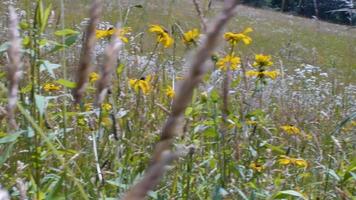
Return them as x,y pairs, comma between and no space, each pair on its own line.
14,67
180,103
85,65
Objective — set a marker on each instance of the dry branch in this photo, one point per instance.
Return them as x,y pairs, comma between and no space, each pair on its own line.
85,66
180,103
14,67
200,15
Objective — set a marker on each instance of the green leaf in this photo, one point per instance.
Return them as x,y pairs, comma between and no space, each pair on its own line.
56,191
120,69
46,65
69,41
24,25
188,111
210,133
6,154
66,32
288,193
242,195
41,103
46,13
333,174
66,83
10,138
4,46
275,149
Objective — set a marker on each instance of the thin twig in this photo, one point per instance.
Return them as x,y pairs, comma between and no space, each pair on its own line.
85,65
14,68
180,103
200,15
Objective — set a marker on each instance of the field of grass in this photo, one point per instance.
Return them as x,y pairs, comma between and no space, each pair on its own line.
257,127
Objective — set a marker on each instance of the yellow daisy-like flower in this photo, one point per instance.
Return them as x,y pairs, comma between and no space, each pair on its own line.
286,160
230,60
290,129
142,84
170,92
51,87
270,74
191,36
262,60
93,76
106,107
162,35
257,167
235,38
88,107
122,33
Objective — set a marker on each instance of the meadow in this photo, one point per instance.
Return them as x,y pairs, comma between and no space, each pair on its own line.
170,100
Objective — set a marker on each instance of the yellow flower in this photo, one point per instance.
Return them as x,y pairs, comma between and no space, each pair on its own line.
51,87
290,129
81,121
122,33
88,106
235,38
162,35
191,36
270,74
257,167
170,92
142,84
251,122
106,107
93,77
262,60
229,60
285,160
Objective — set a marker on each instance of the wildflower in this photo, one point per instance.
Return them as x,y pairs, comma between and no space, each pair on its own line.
106,107
262,60
93,77
81,121
229,60
122,33
170,92
88,107
235,38
142,84
285,160
162,35
270,74
257,167
251,122
51,87
191,36
290,129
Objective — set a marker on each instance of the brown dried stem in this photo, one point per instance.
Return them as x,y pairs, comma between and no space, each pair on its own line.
110,57
180,103
14,67
85,66
200,15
